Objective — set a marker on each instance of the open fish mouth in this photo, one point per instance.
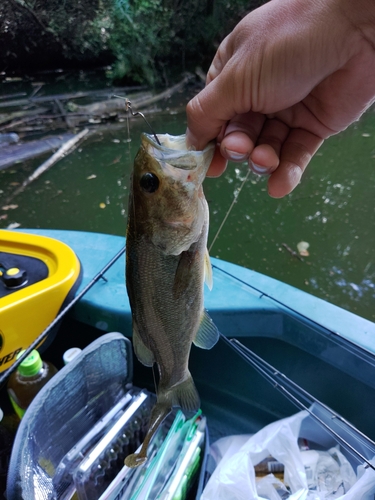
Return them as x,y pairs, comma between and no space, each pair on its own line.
172,150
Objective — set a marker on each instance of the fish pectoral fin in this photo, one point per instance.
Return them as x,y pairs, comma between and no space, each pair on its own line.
208,270
207,334
143,353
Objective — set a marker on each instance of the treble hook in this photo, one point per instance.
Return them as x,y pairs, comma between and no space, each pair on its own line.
128,107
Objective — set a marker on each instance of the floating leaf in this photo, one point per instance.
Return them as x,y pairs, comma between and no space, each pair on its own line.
102,205
116,160
9,207
13,225
93,176
302,247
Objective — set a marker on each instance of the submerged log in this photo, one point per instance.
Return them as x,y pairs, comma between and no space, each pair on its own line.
99,108
67,96
12,96
61,114
143,102
15,153
8,117
66,148
118,104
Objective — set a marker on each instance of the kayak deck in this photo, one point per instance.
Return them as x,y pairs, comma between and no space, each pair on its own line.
324,349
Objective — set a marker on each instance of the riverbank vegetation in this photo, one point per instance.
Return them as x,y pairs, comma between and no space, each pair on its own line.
141,41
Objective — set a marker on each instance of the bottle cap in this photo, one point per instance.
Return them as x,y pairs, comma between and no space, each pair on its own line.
31,365
70,354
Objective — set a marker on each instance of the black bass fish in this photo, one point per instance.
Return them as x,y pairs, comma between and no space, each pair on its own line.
166,265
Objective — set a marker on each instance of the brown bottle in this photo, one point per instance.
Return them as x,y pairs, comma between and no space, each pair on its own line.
24,384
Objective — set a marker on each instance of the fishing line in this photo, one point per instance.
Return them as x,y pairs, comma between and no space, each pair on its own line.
44,334
129,138
129,108
236,195
269,373
154,377
130,154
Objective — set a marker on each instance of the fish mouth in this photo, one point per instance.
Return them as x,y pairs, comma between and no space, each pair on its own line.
172,150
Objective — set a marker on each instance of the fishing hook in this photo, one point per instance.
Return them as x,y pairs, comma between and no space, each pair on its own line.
128,107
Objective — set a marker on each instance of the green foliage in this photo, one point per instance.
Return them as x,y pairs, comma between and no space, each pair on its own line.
149,41
49,32
138,36
154,39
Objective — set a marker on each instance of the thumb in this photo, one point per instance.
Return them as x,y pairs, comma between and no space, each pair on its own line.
209,111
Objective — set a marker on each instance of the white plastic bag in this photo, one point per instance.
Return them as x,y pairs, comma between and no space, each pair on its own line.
234,476
364,488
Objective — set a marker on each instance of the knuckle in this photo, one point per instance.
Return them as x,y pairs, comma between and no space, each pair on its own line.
296,153
194,108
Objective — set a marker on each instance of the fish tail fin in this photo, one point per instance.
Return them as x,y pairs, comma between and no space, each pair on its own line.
186,395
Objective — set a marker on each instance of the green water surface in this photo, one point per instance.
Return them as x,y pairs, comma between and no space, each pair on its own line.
332,209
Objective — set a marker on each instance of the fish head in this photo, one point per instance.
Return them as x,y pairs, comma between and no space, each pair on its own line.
169,207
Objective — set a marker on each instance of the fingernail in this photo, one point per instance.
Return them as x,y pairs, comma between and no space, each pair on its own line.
258,169
235,156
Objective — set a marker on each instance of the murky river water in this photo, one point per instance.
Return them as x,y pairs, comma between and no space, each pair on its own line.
333,208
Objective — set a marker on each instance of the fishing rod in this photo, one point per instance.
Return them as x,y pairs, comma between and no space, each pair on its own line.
44,334
293,386
295,394
354,347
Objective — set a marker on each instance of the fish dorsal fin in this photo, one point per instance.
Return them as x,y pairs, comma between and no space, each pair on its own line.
208,270
207,334
142,352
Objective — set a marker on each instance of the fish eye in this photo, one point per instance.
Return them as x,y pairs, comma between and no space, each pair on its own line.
149,182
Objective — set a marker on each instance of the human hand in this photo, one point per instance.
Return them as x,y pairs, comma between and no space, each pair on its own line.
291,74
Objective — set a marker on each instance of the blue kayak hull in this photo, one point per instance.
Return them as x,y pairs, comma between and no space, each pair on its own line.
328,351
237,293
